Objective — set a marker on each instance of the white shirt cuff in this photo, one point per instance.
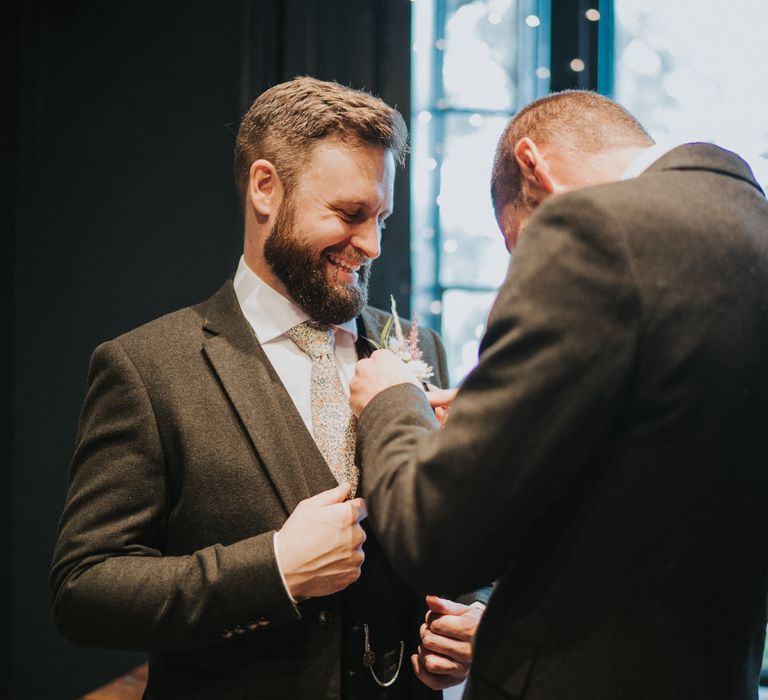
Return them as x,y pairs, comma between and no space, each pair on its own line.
280,568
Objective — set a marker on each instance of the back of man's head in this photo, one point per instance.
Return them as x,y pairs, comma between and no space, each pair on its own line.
286,121
581,121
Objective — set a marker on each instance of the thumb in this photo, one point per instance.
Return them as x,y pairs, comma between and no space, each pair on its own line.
443,606
330,497
441,397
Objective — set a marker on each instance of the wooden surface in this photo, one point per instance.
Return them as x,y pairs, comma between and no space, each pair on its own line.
127,687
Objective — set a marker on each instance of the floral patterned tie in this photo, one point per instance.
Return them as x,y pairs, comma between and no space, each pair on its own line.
333,423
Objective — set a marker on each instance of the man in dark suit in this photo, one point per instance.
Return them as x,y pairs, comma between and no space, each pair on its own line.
210,518
611,447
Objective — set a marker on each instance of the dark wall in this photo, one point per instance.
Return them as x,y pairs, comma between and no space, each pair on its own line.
120,207
8,132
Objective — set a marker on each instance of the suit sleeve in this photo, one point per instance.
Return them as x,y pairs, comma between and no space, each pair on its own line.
112,585
450,507
441,379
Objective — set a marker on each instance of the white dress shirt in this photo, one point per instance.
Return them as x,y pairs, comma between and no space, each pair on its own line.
271,315
641,162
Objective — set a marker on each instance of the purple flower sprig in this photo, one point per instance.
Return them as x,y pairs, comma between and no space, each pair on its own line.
407,349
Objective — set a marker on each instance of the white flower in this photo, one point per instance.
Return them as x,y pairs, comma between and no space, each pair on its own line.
419,369
407,349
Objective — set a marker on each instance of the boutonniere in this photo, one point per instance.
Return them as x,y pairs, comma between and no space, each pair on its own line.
407,349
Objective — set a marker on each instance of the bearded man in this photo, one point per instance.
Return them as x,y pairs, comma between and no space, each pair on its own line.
211,517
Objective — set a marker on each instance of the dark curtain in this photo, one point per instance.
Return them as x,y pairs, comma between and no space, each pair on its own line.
119,206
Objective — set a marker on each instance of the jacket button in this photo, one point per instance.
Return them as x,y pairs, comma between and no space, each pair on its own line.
252,625
263,622
239,630
325,617
227,634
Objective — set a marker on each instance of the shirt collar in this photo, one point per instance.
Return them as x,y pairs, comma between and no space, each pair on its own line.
643,160
269,312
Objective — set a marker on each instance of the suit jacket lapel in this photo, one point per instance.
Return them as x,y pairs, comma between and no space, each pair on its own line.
367,327
269,417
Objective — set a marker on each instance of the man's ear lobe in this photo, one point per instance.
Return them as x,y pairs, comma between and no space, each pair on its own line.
534,168
265,190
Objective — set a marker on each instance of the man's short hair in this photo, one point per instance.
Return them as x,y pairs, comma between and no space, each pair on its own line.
285,122
580,120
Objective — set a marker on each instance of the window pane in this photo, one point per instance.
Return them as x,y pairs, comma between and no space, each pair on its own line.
464,317
764,677
472,247
423,196
480,61
474,63
696,76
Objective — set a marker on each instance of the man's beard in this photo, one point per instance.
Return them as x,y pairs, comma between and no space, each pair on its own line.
305,276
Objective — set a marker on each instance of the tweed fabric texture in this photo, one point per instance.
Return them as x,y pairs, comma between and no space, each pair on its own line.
333,423
204,456
607,456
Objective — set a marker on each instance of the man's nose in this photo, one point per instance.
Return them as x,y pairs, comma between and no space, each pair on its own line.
367,239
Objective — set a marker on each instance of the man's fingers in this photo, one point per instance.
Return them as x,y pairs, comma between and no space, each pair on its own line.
425,677
441,397
461,627
432,680
359,510
440,665
361,368
382,355
328,498
443,606
458,649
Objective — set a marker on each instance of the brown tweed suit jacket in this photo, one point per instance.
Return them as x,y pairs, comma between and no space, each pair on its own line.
190,454
610,450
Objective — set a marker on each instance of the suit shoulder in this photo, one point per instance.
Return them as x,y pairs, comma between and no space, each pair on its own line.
174,335
164,328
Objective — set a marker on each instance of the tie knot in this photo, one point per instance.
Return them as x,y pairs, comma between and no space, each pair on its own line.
315,339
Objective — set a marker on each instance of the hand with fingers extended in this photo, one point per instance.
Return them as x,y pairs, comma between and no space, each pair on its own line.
321,544
445,653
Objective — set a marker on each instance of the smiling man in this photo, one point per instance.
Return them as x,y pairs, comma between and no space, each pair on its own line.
211,518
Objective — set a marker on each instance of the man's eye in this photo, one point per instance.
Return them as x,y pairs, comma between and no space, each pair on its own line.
348,215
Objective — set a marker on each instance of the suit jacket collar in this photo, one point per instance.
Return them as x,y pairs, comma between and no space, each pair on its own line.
260,400
369,325
269,417
705,156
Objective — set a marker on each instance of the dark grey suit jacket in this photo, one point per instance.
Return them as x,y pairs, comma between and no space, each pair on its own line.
190,454
610,451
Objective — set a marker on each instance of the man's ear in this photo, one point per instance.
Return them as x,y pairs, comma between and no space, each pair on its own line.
536,173
265,191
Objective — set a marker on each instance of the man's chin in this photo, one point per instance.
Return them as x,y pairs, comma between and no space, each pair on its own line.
343,304
349,291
